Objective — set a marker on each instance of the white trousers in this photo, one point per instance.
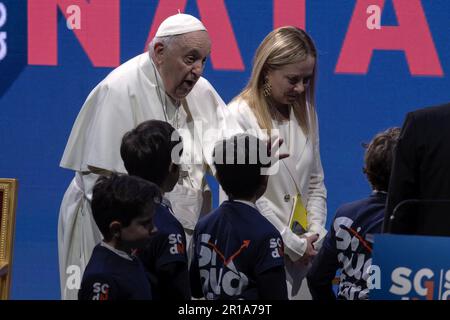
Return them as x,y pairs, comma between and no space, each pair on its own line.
296,280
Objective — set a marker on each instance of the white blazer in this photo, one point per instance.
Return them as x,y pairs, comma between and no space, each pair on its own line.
301,170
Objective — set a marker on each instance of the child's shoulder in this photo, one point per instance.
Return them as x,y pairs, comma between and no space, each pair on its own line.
215,217
101,266
102,259
344,208
165,221
356,208
252,221
211,217
265,228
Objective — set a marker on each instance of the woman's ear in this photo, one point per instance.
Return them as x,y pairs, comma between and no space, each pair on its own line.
266,74
115,229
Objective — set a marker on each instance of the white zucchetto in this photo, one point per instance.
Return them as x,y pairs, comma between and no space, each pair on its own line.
180,23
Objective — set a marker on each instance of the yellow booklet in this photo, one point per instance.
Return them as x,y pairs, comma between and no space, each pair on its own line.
299,220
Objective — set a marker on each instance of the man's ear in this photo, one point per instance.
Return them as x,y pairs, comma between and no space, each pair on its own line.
115,228
264,182
263,185
159,50
173,167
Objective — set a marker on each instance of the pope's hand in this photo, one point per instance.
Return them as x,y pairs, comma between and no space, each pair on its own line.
275,149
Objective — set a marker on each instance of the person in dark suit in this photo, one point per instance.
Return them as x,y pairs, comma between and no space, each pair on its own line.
421,171
348,245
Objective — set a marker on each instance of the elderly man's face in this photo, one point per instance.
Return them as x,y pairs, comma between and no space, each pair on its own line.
181,64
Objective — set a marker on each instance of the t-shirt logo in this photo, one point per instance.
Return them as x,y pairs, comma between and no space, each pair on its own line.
100,290
176,242
218,272
276,246
354,254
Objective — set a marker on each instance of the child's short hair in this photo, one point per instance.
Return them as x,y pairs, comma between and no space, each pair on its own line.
378,158
238,165
122,198
146,150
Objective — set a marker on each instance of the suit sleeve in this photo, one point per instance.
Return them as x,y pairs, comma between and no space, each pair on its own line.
403,181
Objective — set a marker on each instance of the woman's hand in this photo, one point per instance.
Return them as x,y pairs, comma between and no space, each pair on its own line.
310,252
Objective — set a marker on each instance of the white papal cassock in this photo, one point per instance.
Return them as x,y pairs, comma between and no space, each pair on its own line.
124,99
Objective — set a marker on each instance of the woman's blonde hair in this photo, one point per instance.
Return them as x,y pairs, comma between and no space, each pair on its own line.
282,46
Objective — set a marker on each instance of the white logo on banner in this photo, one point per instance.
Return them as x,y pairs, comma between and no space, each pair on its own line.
420,284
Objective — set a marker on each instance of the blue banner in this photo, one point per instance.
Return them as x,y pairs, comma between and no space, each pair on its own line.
410,268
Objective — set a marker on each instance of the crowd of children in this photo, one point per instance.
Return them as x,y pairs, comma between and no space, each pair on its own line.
236,253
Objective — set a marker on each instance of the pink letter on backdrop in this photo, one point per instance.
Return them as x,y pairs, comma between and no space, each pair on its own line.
166,8
412,36
225,53
99,35
289,13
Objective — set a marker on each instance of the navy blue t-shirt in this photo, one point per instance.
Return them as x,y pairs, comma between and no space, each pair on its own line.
167,245
232,246
348,247
109,276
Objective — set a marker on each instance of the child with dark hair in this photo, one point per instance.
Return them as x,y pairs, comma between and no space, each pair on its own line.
238,254
148,151
123,208
348,246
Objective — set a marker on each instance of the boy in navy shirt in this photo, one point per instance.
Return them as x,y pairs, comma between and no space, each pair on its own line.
348,246
123,209
238,253
147,152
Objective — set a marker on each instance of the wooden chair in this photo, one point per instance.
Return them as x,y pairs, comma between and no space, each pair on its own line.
8,201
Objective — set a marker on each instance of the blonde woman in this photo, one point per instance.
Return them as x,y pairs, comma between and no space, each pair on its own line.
279,100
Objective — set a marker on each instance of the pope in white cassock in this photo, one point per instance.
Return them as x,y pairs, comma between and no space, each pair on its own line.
164,84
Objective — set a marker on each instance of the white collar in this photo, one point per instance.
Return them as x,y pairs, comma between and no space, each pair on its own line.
120,253
166,202
170,109
160,85
251,204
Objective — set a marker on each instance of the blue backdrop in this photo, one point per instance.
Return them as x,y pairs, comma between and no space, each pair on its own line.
44,82
410,268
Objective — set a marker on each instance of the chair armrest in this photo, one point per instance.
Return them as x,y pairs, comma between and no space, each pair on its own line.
3,269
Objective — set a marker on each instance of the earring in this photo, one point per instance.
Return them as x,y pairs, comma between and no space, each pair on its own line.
267,88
